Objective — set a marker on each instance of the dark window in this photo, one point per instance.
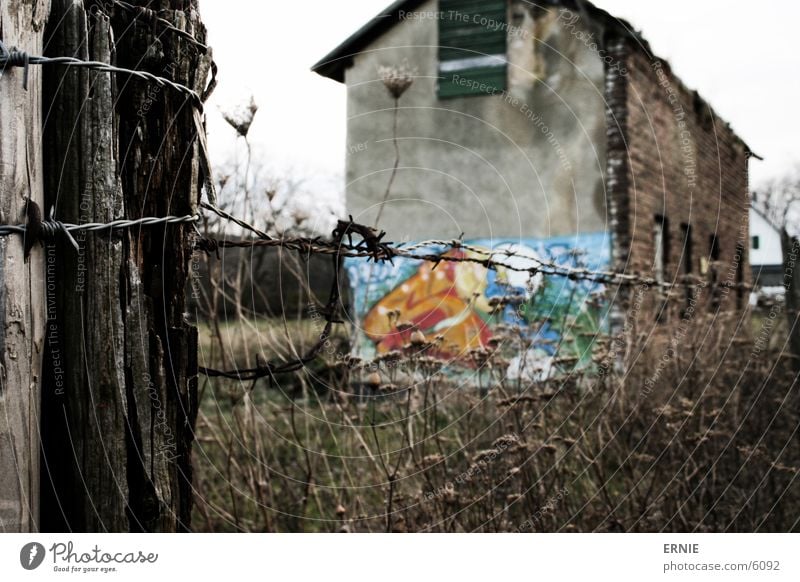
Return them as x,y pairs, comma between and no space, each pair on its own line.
686,231
661,261
714,253
688,262
756,243
713,247
472,47
661,246
740,295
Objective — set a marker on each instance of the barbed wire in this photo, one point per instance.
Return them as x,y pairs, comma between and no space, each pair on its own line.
18,58
152,15
329,312
50,227
37,229
372,247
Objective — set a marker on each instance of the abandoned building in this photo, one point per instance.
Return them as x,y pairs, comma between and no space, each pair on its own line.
542,129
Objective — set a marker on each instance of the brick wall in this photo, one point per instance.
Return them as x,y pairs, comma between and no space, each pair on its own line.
670,157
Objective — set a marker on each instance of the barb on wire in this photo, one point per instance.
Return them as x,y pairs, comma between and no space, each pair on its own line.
35,229
17,58
372,247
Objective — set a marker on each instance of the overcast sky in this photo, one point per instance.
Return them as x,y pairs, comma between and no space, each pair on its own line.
742,57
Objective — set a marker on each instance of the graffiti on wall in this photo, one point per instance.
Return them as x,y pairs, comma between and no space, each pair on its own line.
463,306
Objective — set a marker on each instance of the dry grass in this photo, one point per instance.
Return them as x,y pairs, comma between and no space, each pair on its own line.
703,440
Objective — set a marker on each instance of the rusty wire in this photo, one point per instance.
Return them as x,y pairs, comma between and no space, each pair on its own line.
36,229
372,247
18,58
329,311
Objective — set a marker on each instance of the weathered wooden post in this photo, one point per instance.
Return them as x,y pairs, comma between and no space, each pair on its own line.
791,282
117,441
21,291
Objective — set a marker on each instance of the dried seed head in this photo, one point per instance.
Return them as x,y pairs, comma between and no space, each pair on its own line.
397,78
241,117
430,460
374,380
505,441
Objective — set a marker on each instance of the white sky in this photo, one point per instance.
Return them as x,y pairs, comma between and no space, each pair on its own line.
741,56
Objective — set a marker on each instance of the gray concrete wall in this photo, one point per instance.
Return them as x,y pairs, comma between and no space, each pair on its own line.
528,163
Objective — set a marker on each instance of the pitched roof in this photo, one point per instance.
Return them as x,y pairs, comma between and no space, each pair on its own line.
333,64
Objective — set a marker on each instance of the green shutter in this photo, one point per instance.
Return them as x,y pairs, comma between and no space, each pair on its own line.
472,35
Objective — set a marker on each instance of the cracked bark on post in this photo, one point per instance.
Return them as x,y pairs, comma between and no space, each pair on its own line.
119,439
21,290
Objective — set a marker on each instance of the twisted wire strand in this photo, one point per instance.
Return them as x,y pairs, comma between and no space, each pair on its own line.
318,246
489,259
230,217
48,228
152,15
370,247
18,58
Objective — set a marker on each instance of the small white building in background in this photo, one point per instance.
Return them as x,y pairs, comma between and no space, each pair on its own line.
766,256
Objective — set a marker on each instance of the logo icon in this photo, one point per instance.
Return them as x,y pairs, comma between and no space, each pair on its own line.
31,555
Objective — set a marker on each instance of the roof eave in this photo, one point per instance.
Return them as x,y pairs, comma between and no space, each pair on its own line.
333,64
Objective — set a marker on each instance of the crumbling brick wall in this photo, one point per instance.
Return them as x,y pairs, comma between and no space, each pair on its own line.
673,164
